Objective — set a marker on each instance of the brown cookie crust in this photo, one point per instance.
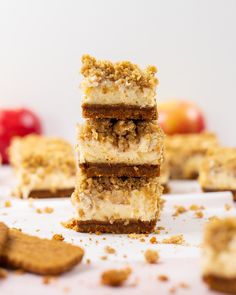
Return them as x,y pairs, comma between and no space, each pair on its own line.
220,284
119,111
3,235
119,170
40,194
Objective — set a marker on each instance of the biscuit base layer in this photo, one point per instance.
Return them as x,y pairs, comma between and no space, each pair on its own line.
119,111
207,190
220,284
119,170
117,227
41,194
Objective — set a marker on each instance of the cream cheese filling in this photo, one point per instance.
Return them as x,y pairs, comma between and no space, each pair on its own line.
218,179
109,92
148,151
222,264
53,181
138,207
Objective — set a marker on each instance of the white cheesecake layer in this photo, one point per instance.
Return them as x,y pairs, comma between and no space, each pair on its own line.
53,181
222,264
148,151
111,93
136,206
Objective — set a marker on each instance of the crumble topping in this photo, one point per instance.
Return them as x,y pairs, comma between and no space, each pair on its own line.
114,277
179,210
58,237
124,72
151,256
219,233
177,240
120,133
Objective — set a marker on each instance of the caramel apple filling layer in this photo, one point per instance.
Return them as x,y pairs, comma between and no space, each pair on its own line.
132,142
114,198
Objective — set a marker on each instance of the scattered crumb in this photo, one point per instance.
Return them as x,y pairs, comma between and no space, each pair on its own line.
7,204
184,285
151,256
228,207
196,207
177,239
38,210
58,237
114,277
110,250
88,261
104,238
3,273
163,278
211,218
136,236
47,280
179,210
124,256
172,290
66,289
198,214
103,257
153,240
142,240
48,210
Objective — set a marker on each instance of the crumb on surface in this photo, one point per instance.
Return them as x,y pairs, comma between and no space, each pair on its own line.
58,237
39,211
195,207
184,285
176,239
198,214
142,240
47,280
179,210
3,273
136,236
103,257
228,207
172,290
110,250
163,278
151,256
115,277
48,210
153,240
88,261
7,204
211,218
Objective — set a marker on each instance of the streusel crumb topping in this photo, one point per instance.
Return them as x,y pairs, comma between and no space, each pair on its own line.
123,72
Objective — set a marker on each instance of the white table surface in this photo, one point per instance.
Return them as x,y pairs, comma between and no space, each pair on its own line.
181,263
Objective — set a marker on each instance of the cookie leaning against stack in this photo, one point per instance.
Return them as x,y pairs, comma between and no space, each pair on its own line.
32,254
120,149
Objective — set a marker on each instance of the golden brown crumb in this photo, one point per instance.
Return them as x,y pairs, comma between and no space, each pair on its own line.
163,278
98,233
58,237
110,250
136,236
103,257
3,273
177,239
179,210
194,207
151,256
7,204
47,280
48,210
172,290
38,210
153,240
142,240
228,207
211,218
114,277
184,285
198,214
88,261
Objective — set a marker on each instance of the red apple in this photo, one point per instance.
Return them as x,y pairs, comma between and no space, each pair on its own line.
16,122
180,117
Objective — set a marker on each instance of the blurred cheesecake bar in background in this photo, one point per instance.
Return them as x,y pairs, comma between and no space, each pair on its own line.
219,255
218,170
44,166
185,153
118,90
111,147
165,176
116,204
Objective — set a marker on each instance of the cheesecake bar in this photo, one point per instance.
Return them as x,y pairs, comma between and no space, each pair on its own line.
44,166
185,153
219,255
118,90
218,170
116,204
110,147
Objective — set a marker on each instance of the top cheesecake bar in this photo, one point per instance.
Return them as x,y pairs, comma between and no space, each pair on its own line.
118,90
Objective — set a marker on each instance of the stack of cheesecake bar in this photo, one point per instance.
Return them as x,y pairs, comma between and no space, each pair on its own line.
120,149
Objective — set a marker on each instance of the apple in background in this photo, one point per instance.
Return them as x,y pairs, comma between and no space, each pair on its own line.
177,116
16,122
